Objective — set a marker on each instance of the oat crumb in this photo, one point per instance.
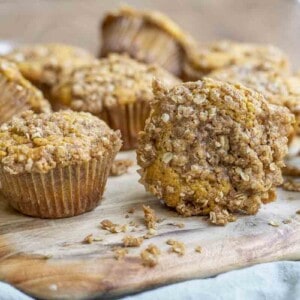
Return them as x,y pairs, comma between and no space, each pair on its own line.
120,167
176,246
150,256
150,217
131,241
273,223
120,253
198,249
113,228
89,239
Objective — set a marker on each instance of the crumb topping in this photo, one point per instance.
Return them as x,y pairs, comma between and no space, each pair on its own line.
117,79
220,151
131,241
9,73
120,167
150,217
45,63
39,143
150,255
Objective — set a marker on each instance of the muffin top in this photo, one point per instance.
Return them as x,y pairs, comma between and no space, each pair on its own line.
39,143
154,18
43,63
9,73
210,144
221,54
117,79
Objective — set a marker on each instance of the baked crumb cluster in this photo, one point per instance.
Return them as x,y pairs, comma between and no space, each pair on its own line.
114,80
220,54
11,78
44,64
39,143
277,88
213,148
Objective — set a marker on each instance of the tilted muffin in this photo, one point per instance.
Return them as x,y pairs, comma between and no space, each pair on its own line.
117,89
148,36
277,89
55,165
43,64
212,148
17,93
202,60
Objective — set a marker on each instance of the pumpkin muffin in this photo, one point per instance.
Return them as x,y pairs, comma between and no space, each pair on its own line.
43,64
220,54
18,94
148,36
55,165
212,148
117,89
277,89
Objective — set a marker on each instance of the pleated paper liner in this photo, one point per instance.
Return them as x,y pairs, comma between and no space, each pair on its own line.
62,192
129,119
13,100
143,41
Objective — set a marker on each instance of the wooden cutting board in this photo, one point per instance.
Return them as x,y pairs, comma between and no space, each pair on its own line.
47,259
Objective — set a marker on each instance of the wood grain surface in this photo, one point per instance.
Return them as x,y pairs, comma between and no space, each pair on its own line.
77,21
47,259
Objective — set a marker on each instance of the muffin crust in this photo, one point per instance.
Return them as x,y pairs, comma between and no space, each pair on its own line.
212,148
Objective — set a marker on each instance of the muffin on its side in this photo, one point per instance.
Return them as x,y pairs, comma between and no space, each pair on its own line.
18,94
148,36
55,165
212,148
202,60
117,89
278,89
43,64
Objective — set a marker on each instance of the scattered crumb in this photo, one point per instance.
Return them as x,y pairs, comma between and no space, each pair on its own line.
287,221
151,232
131,241
274,223
291,171
89,239
120,253
113,228
198,249
131,210
291,185
179,225
150,217
150,256
177,247
120,167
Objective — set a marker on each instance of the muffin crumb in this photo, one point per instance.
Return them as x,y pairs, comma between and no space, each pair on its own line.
150,217
113,228
120,167
131,241
176,246
120,253
198,249
273,223
150,256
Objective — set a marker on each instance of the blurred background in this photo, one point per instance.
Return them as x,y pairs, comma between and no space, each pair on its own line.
77,22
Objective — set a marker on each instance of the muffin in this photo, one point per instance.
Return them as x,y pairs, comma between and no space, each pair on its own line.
117,89
43,64
55,165
212,148
147,36
276,88
18,94
220,54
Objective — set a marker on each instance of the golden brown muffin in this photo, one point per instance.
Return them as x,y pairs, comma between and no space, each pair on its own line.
278,89
17,93
148,36
212,148
220,54
43,64
117,89
55,165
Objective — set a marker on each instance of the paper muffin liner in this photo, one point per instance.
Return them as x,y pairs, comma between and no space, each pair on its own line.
144,42
13,100
62,192
129,119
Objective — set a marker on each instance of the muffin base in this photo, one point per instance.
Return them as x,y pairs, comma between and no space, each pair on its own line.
62,192
129,119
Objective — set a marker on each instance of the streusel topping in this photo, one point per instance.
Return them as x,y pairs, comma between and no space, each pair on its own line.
213,148
114,80
220,54
9,73
44,63
39,143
